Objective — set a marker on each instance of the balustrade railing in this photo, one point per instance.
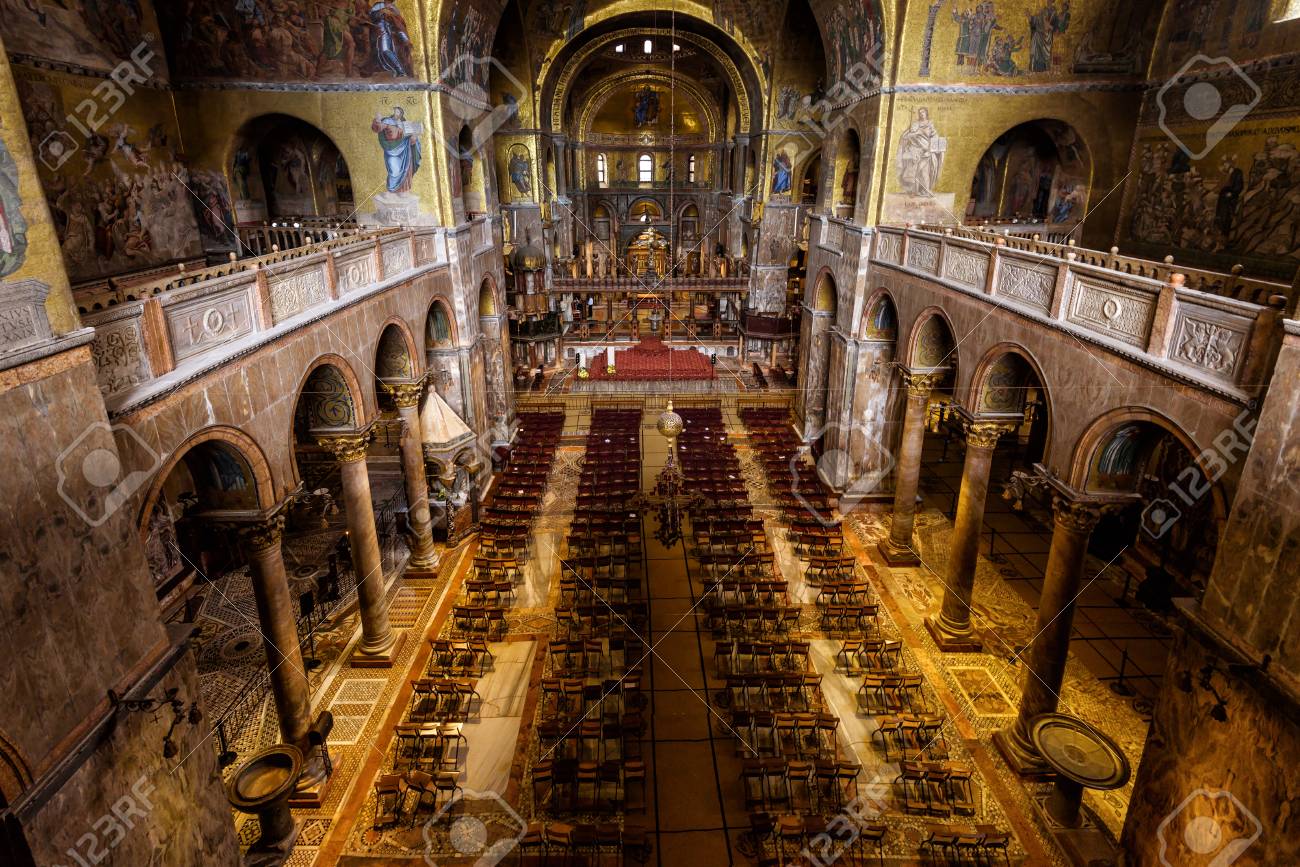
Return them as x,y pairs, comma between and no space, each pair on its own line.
190,317
1232,284
1215,339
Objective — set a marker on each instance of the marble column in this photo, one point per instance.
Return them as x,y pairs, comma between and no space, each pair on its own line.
952,628
279,628
1049,649
897,550
378,641
406,397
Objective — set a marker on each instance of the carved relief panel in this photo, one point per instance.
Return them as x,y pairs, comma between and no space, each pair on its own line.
200,324
120,359
297,291
923,255
1210,340
355,272
1120,312
966,267
1031,284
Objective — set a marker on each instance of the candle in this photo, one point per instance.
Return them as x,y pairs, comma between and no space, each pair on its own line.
609,355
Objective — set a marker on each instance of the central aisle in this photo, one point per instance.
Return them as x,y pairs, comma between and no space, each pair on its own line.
697,804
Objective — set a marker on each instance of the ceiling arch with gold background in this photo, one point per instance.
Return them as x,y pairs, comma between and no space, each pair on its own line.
707,59
688,112
537,37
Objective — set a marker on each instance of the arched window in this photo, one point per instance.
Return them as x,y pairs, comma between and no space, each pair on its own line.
690,169
645,168
602,170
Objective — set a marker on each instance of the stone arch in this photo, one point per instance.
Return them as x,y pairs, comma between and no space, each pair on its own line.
281,164
1102,428
336,400
984,387
1001,385
487,297
396,353
248,450
439,324
879,317
932,341
1038,169
825,294
1182,506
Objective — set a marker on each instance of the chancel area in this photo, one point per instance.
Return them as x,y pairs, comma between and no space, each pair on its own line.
641,432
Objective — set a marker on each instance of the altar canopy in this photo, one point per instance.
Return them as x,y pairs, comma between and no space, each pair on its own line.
652,359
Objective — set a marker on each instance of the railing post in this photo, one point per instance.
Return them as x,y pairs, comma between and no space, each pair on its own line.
995,264
265,318
1162,323
157,343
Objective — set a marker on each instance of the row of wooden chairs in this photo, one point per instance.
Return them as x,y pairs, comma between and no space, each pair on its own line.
470,657
961,844
740,657
798,734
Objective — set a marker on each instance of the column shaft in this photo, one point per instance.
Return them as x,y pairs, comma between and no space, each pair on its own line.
424,558
279,630
897,550
952,630
376,634
1045,661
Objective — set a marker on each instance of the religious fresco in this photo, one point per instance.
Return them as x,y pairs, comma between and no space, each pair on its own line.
465,40
95,35
289,40
1245,28
1239,204
882,321
852,32
918,160
398,144
121,200
213,210
1058,39
13,226
519,168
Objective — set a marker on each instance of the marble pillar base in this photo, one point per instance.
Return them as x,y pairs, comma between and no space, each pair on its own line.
381,658
314,784
423,568
1083,846
260,855
952,642
897,556
1025,761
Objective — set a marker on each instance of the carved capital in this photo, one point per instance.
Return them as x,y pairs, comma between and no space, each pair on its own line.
346,448
921,384
403,394
985,434
261,535
1074,515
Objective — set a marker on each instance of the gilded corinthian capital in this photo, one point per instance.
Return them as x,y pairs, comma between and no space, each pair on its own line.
346,448
404,394
921,384
985,434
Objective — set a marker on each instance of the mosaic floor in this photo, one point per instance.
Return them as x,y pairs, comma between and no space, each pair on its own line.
695,808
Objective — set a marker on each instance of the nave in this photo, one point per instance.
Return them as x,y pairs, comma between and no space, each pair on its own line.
629,666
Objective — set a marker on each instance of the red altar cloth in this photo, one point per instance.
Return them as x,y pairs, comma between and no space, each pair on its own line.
651,359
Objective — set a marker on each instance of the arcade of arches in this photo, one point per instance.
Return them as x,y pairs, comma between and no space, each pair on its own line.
793,432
